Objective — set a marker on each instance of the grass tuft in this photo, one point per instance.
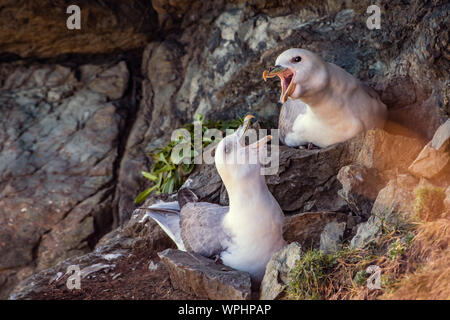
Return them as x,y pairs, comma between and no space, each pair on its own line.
344,274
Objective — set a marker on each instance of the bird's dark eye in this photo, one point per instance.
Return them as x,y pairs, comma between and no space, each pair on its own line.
296,59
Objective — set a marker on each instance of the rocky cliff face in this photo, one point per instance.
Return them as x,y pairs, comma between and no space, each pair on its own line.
80,109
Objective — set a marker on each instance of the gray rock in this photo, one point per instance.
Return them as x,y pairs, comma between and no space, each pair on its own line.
276,277
360,187
86,271
434,159
154,125
392,209
441,139
431,163
332,236
203,277
382,151
306,228
367,232
57,158
109,80
306,179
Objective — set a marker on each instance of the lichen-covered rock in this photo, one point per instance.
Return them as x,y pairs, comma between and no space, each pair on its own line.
205,278
276,277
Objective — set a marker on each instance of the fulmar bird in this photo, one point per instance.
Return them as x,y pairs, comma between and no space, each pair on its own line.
244,235
326,104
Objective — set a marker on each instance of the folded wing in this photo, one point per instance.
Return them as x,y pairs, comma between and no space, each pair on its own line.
201,228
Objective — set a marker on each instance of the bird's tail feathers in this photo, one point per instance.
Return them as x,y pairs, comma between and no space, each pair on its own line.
166,214
171,206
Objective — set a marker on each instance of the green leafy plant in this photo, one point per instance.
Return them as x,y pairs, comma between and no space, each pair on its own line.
168,176
396,249
361,277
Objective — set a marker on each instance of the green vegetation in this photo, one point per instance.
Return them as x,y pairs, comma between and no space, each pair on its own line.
342,275
361,277
429,203
318,275
396,249
168,175
309,275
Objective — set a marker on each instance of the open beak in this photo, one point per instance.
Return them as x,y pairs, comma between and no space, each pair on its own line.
243,128
261,142
286,76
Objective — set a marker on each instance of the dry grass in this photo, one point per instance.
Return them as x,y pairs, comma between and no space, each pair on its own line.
432,282
430,252
431,240
429,203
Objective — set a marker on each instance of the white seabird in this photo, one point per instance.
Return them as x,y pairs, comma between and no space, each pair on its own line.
244,235
326,104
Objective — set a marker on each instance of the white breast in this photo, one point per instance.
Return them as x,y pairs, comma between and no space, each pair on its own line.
256,236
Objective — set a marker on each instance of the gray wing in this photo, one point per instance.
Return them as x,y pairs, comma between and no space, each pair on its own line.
201,228
290,110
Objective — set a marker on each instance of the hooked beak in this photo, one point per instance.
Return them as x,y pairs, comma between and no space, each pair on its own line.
261,142
244,127
286,76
